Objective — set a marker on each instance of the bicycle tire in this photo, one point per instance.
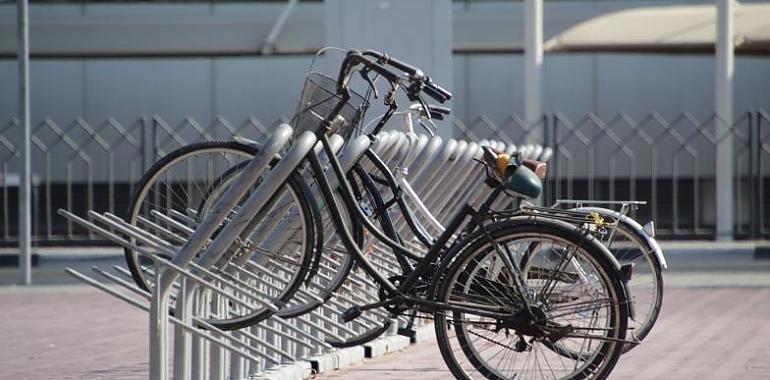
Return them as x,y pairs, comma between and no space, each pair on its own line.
327,279
646,284
323,280
525,230
163,170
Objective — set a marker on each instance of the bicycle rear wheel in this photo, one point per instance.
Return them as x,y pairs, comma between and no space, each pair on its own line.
581,305
629,244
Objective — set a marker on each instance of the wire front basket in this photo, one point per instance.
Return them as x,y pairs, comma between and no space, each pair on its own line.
318,100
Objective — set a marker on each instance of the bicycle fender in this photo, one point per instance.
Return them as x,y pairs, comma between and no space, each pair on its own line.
449,257
651,242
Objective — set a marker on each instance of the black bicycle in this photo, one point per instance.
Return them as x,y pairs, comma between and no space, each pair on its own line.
379,192
564,317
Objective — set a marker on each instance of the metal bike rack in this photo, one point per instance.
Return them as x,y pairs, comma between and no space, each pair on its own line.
195,284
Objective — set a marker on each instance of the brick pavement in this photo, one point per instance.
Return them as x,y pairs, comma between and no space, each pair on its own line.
75,332
702,333
70,332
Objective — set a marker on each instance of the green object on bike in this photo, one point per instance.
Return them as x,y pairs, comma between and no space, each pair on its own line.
523,181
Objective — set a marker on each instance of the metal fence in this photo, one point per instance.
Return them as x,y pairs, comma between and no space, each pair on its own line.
670,163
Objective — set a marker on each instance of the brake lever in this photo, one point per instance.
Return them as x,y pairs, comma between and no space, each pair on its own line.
425,108
431,132
365,74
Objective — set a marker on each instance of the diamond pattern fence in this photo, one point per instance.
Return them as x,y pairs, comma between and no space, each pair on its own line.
670,163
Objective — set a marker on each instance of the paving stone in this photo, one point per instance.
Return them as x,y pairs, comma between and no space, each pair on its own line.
702,333
75,332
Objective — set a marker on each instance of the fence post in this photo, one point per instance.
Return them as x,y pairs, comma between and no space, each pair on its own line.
25,178
725,121
533,60
755,173
547,143
750,174
759,191
553,138
148,142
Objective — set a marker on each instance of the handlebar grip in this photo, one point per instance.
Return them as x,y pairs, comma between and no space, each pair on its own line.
438,96
438,112
436,115
439,109
436,89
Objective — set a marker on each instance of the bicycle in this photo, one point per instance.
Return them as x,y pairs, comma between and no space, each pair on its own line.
628,240
474,257
624,227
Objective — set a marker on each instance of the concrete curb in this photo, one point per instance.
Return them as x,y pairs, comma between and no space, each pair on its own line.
336,359
42,257
699,250
295,371
424,333
345,357
383,346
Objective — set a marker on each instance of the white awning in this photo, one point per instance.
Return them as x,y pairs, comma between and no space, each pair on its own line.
666,29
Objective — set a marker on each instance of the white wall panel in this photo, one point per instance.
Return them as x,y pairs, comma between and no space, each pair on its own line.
639,84
267,88
57,90
171,88
416,32
9,89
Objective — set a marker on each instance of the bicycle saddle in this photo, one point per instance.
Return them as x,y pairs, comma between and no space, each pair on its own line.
514,173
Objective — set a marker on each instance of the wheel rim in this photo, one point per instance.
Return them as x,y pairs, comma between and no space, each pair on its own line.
492,355
188,187
170,191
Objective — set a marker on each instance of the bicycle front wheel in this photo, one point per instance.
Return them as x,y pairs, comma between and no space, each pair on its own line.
172,192
267,267
576,301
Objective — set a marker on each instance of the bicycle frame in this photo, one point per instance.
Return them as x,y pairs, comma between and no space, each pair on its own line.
397,186
303,149
414,225
397,294
492,202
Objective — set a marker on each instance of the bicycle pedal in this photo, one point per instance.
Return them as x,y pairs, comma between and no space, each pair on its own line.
351,314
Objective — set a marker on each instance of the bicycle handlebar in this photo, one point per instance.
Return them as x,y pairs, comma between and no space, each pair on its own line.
419,81
388,60
354,58
435,91
431,89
